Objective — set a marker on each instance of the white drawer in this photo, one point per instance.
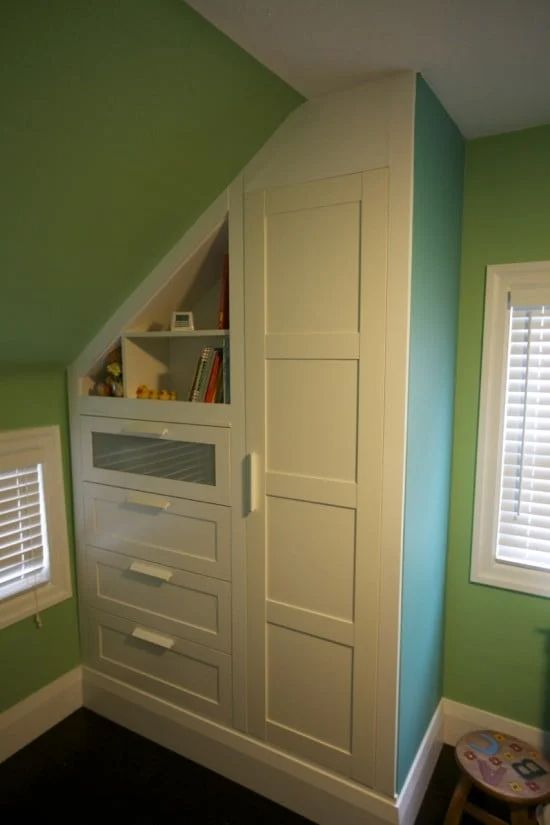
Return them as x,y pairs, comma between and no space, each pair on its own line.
186,674
188,535
170,459
194,607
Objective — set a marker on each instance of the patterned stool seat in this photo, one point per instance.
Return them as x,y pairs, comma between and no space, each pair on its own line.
503,767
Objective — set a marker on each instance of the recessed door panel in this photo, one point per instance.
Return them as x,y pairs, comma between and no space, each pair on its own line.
311,552
312,418
313,270
309,686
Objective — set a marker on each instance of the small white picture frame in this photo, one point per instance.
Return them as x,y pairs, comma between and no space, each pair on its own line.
182,322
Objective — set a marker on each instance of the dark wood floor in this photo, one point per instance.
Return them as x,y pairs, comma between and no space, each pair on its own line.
87,769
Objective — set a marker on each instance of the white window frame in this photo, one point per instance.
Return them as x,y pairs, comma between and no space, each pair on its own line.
485,567
44,444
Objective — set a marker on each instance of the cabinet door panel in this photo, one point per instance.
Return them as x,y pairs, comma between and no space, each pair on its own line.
306,399
315,271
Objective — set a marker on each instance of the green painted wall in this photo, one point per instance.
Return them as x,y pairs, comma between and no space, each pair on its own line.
30,658
121,121
494,650
438,177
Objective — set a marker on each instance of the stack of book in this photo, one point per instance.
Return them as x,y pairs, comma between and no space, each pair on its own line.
211,381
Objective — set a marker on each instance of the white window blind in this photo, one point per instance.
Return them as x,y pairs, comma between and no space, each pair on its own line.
24,558
523,533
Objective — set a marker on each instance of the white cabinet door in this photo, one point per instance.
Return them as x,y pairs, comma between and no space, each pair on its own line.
315,299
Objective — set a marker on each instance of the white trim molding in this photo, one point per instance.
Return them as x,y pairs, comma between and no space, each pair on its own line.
33,446
421,770
33,716
459,719
485,567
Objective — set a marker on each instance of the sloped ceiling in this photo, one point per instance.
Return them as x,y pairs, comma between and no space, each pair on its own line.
488,61
120,123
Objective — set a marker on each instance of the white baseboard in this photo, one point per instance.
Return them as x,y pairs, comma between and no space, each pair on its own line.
312,791
459,719
39,712
420,773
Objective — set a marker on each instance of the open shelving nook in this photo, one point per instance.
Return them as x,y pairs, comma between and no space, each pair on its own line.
162,359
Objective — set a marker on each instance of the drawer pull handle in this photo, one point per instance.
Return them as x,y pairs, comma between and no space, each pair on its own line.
144,500
151,570
153,638
162,433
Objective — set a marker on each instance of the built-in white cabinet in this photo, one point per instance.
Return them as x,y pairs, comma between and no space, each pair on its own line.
239,560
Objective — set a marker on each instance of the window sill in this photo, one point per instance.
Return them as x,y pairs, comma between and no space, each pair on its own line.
30,602
512,577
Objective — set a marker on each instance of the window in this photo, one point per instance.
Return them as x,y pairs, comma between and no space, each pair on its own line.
511,541
34,558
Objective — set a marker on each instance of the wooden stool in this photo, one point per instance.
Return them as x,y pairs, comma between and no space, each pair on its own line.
503,767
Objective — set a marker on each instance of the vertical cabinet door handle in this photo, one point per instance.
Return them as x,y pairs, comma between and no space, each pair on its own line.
157,639
251,480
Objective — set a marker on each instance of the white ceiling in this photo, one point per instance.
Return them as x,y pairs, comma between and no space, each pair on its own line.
487,60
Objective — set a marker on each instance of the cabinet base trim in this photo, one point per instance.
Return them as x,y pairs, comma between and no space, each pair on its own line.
421,770
311,791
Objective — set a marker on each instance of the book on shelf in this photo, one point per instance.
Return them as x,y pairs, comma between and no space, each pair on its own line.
208,383
223,309
202,373
213,380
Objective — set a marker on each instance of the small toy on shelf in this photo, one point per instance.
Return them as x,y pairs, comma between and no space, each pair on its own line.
114,379
108,378
143,391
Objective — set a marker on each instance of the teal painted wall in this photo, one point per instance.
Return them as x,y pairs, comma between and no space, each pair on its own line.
29,657
438,176
495,655
121,121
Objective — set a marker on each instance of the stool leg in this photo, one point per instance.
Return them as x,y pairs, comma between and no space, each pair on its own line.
458,800
520,816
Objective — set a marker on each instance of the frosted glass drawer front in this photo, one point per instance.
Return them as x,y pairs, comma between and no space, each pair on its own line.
194,607
178,459
189,535
186,674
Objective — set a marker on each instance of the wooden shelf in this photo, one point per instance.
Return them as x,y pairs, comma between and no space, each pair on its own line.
187,412
191,333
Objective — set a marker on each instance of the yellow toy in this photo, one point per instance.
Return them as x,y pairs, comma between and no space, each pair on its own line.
143,391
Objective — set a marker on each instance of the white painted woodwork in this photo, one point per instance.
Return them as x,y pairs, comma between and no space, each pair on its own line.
142,409
188,535
331,136
329,575
152,473
186,674
310,685
166,362
311,248
162,526
296,439
314,256
194,607
309,691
